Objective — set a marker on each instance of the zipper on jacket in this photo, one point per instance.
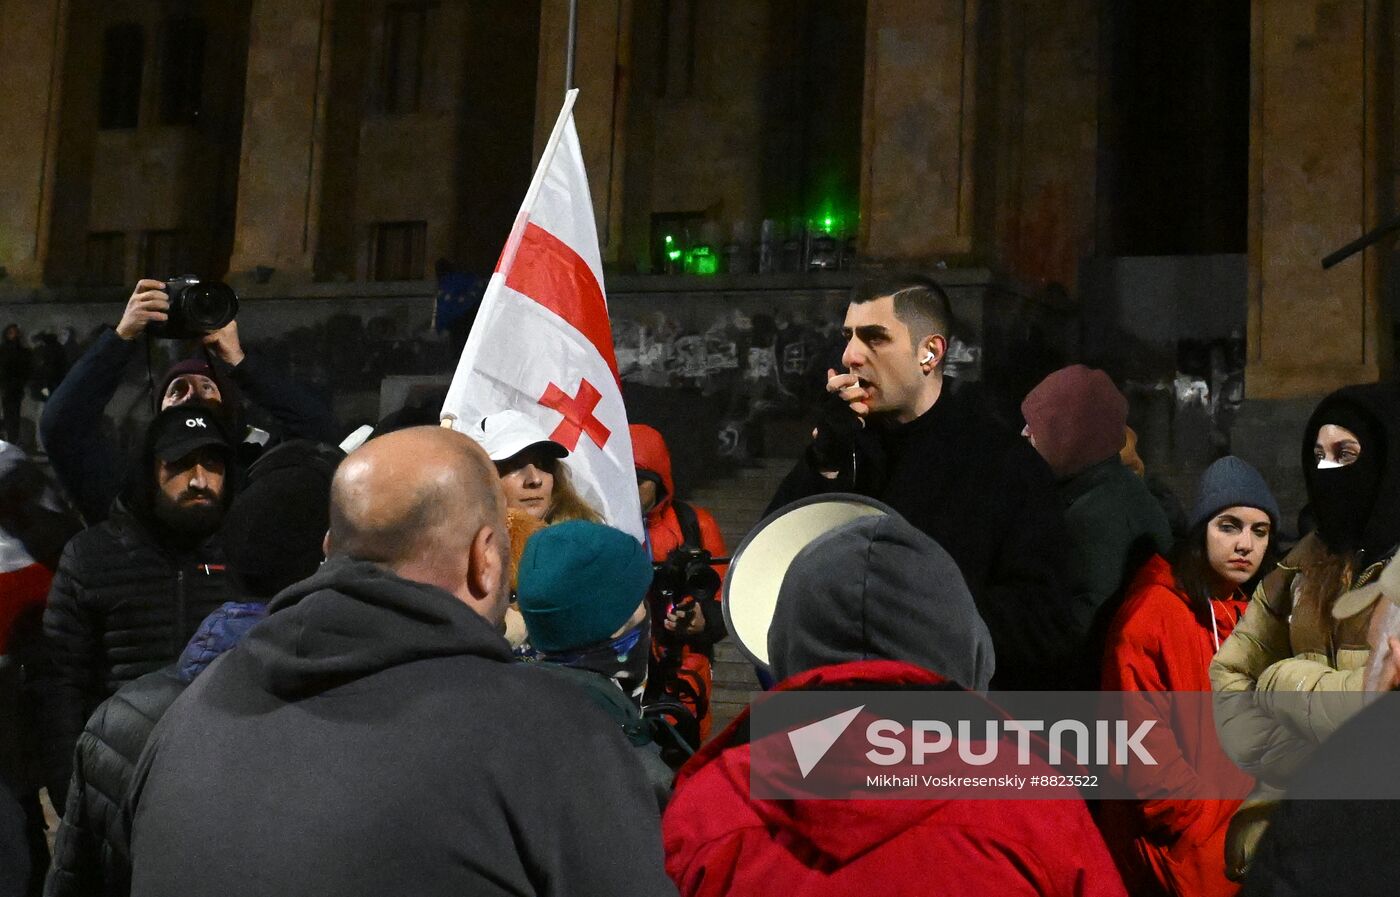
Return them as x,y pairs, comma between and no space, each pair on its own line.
178,636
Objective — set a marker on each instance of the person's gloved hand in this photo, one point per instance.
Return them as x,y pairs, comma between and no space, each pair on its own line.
834,439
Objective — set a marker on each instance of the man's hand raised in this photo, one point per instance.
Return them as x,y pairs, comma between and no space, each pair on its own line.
225,345
148,303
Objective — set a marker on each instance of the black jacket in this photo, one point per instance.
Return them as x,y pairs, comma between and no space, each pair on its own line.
90,468
983,494
89,851
373,736
14,845
16,363
123,603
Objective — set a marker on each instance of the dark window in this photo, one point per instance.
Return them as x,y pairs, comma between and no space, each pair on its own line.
399,250
123,53
181,71
405,43
1174,151
104,261
164,253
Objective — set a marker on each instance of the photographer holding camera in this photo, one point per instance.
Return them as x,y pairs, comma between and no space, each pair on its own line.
89,466
686,617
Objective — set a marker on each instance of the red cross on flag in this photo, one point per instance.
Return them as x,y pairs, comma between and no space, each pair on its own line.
542,343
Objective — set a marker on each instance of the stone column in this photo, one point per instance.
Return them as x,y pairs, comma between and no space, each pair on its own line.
602,68
1313,174
919,122
284,129
32,40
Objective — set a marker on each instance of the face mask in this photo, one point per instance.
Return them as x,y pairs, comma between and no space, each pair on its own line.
1343,497
623,659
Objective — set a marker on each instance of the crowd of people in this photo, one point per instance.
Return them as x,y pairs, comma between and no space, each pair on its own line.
243,662
35,368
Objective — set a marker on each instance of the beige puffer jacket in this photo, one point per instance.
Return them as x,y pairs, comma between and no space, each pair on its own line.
1287,644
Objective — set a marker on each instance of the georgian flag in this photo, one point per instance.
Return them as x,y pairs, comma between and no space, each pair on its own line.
542,343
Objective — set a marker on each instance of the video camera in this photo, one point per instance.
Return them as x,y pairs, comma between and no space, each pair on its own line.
196,308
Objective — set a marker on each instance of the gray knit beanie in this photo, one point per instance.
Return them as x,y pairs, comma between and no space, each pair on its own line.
1228,483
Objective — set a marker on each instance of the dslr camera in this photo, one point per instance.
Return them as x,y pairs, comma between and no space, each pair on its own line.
685,577
197,307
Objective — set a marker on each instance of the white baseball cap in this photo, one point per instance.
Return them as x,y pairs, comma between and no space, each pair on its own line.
506,434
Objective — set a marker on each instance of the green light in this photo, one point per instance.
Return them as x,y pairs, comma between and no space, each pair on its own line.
828,223
674,254
670,239
701,260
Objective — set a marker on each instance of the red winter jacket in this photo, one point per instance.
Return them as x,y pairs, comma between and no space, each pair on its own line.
1157,644
720,842
649,453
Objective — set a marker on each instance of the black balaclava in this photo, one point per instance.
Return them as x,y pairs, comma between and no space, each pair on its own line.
1355,505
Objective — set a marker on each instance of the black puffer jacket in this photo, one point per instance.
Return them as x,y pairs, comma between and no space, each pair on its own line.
89,852
122,605
86,861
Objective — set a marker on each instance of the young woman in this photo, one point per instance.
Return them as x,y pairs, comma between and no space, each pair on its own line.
1175,617
531,468
1289,642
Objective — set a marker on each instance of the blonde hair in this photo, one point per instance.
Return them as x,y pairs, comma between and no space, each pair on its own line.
565,503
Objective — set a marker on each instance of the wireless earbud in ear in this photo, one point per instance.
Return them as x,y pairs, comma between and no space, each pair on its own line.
928,356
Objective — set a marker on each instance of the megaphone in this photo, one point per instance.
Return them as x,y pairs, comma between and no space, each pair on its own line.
756,574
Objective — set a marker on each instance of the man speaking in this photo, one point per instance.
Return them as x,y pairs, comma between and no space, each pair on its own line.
892,431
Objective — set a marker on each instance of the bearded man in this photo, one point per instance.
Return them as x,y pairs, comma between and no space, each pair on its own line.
130,592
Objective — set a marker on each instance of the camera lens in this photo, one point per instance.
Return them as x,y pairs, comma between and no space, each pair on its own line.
209,306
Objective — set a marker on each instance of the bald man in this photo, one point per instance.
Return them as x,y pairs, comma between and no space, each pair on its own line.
373,736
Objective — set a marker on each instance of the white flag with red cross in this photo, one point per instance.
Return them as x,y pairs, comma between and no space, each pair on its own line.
542,343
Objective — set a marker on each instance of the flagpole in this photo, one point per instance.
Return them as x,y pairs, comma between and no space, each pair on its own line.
569,51
537,182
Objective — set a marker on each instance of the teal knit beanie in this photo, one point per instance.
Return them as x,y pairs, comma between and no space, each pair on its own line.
579,582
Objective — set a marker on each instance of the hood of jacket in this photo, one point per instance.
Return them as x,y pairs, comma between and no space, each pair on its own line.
842,830
878,588
137,496
650,455
1370,508
1077,418
353,619
218,633
1157,571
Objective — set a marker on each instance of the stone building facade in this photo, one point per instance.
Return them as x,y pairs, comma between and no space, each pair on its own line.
317,148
